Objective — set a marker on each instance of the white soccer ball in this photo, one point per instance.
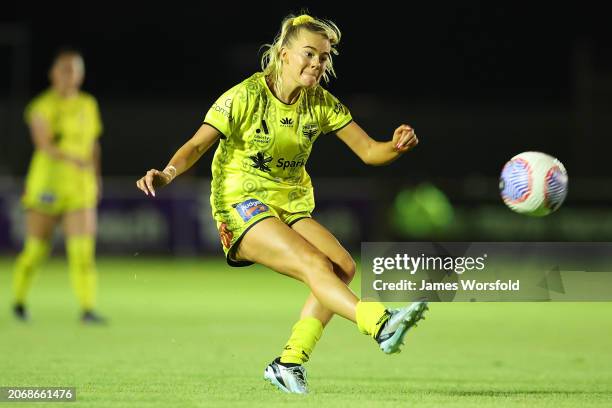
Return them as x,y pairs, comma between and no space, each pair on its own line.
533,183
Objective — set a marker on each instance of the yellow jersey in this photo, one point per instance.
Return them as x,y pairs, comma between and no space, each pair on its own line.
266,143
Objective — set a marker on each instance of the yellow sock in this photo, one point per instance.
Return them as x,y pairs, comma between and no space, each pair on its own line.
81,261
370,317
304,336
34,253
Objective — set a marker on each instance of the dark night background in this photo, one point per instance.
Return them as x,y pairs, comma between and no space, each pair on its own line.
479,82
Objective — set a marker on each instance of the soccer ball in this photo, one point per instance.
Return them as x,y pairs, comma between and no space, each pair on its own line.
533,183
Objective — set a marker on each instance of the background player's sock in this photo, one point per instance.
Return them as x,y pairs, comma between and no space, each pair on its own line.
81,261
304,335
34,253
370,316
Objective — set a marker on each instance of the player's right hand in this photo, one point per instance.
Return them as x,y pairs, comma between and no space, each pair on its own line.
404,138
152,180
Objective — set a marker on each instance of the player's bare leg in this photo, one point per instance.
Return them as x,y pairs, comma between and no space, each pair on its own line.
343,264
273,244
40,225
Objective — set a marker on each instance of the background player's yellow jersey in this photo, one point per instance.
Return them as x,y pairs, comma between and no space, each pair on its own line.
55,185
266,144
75,122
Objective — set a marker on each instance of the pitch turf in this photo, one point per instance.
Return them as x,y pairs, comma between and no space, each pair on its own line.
195,333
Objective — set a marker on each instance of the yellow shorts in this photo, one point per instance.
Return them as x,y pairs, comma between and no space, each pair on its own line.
233,222
58,201
55,187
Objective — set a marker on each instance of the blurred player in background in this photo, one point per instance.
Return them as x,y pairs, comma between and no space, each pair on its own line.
262,196
63,182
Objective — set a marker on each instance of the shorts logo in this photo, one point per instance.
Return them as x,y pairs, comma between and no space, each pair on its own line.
250,208
47,198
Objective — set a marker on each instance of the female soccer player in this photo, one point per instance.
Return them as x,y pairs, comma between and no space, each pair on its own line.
262,196
63,182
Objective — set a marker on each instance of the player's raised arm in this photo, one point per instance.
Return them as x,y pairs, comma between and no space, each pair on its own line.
183,159
378,153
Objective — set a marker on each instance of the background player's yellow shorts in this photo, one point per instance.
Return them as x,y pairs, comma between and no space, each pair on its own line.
55,199
52,203
237,219
55,187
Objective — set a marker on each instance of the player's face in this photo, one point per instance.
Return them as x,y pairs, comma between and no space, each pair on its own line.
67,73
305,60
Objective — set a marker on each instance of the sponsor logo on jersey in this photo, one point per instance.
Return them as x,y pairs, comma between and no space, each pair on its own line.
222,110
260,161
250,208
261,138
340,108
289,164
286,122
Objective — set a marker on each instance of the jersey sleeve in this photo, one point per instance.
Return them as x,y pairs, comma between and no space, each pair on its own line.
335,115
226,112
39,107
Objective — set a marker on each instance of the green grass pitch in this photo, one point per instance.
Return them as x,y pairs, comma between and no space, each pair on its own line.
196,333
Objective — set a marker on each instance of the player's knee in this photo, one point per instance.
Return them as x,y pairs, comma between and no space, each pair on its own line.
315,265
347,268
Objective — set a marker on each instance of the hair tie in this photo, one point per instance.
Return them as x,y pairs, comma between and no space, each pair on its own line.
303,19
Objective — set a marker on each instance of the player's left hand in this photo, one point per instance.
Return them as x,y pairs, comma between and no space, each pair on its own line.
404,138
152,180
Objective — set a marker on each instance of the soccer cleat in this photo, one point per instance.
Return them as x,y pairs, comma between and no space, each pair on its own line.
289,378
91,317
391,336
20,312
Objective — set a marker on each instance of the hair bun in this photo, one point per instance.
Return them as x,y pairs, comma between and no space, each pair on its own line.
303,19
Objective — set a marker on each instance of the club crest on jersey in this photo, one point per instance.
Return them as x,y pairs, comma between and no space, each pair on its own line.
250,208
310,130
